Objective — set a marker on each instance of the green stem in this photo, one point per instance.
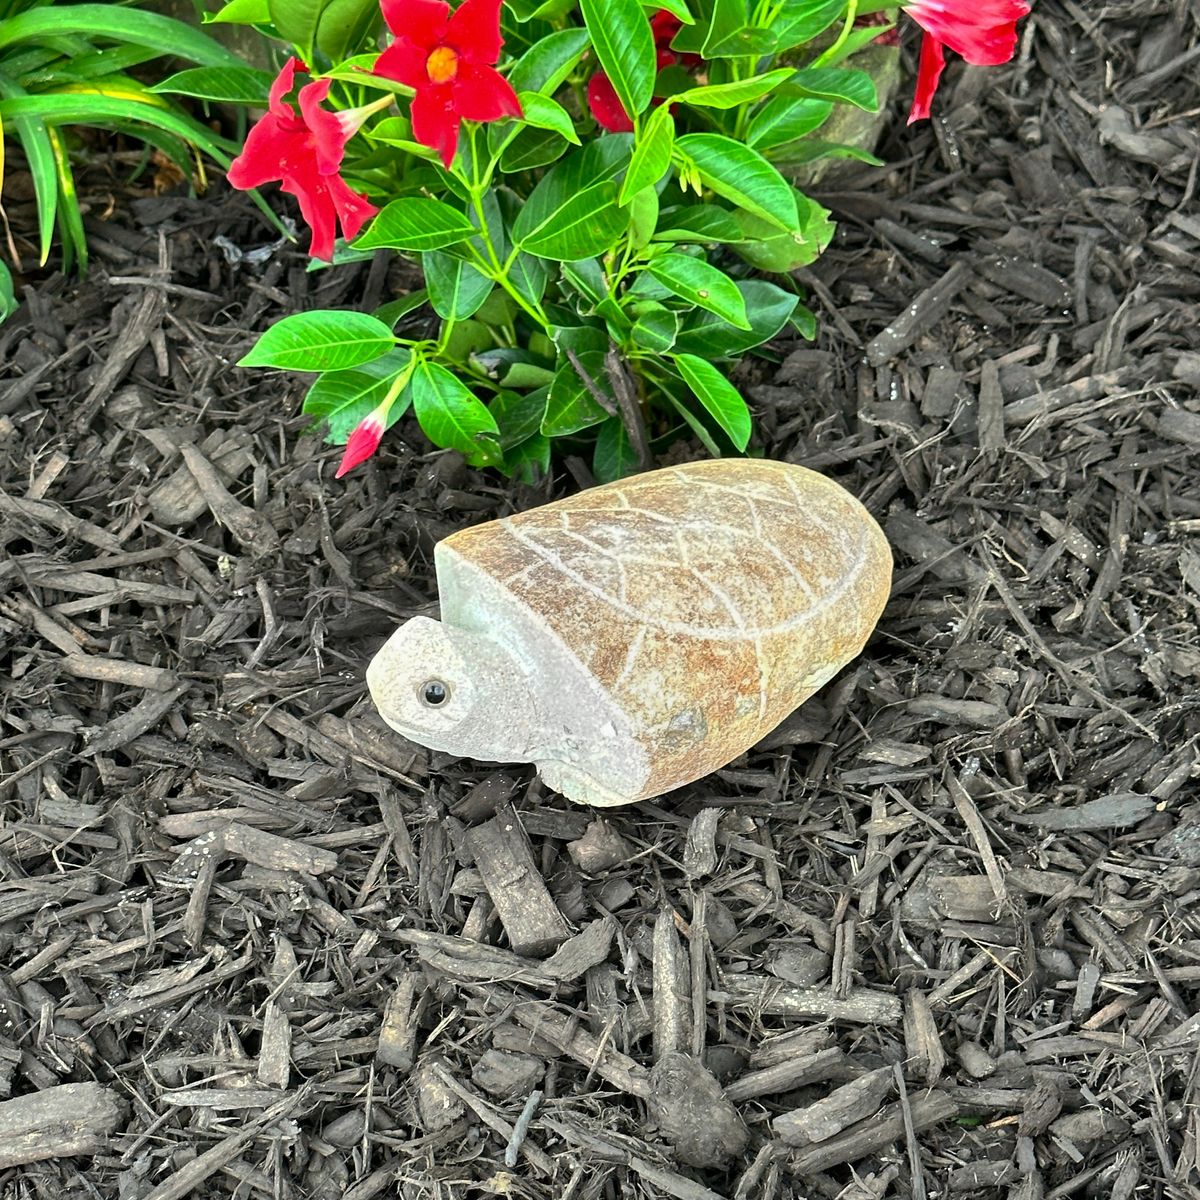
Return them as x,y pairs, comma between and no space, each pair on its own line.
851,13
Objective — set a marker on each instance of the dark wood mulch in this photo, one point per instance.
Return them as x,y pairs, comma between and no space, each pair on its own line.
935,934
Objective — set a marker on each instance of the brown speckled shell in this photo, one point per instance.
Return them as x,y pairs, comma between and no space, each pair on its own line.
708,599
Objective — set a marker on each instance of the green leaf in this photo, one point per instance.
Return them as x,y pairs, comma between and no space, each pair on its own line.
586,276
804,323
837,83
699,223
344,25
543,113
802,20
748,41
676,392
723,401
768,309
232,85
416,223
808,150
320,341
570,405
730,95
651,154
587,224
726,19
39,155
855,41
533,148
452,417
74,239
529,275
677,8
643,218
456,289
769,250
518,416
614,458
624,44
341,399
785,118
548,62
741,175
655,330
391,312
297,21
8,299
528,462
118,24
241,12
701,284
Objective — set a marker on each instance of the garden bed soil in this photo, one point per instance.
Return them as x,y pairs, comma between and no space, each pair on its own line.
937,933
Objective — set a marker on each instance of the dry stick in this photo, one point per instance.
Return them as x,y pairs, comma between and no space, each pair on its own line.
600,398
1069,676
631,410
910,1136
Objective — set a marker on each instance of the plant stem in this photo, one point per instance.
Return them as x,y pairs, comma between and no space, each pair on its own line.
851,13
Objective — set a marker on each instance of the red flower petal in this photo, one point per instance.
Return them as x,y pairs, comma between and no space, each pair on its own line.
664,25
329,136
353,209
434,121
606,108
984,32
266,146
283,84
423,22
933,62
362,443
404,61
475,31
482,94
316,207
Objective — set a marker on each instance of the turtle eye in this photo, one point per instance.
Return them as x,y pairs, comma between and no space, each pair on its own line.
434,693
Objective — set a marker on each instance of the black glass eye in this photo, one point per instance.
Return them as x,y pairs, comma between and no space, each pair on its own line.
434,693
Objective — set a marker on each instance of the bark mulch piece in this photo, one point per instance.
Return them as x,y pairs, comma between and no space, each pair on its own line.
934,934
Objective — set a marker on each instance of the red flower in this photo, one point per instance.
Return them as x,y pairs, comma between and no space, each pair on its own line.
449,61
602,96
305,153
984,32
364,440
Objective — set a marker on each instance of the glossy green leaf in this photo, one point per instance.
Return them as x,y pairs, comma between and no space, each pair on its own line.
547,63
570,405
855,41
416,223
119,24
651,154
241,12
741,175
451,416
39,155
614,457
391,312
677,393
726,18
769,250
677,8
297,21
735,93
722,400
74,239
518,416
804,323
586,276
529,461
320,341
343,26
785,118
701,284
807,150
643,218
529,275
800,21
231,85
655,330
543,113
837,83
768,309
700,223
587,224
624,44
748,41
456,289
341,399
8,299
533,148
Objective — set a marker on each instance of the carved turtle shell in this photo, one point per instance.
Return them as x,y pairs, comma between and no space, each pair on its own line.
636,636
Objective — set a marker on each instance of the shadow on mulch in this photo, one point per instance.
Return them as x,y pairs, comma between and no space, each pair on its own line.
935,933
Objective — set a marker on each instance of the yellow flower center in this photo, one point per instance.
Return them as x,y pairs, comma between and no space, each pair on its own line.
442,64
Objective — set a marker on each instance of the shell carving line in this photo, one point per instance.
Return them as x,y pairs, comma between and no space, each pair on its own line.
634,637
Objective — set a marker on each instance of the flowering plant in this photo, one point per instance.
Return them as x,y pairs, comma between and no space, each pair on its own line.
595,197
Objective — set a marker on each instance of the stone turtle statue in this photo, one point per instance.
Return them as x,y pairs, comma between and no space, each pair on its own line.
634,637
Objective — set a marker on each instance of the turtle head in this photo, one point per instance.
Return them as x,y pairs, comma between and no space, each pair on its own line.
453,690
